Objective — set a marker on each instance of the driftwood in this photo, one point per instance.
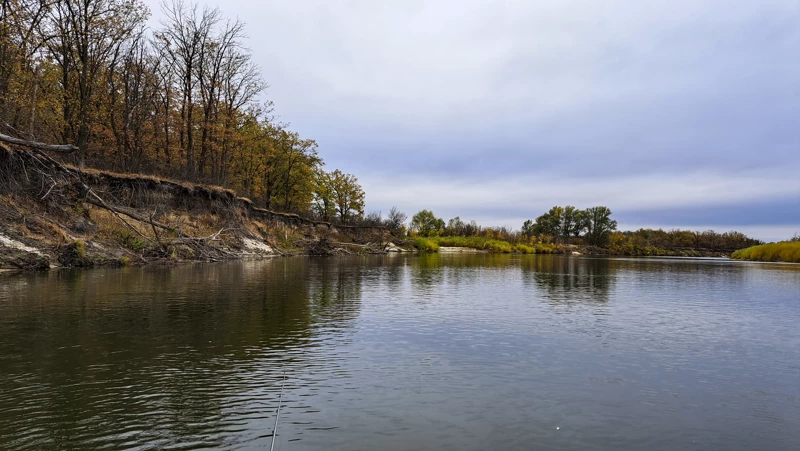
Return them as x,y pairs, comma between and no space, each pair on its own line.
99,202
63,148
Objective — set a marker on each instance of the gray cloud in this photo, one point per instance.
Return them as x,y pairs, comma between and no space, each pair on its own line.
650,107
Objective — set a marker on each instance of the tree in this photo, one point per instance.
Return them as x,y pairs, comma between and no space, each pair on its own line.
395,220
241,84
186,33
426,223
549,223
347,195
573,222
323,204
528,228
373,218
298,159
82,36
562,223
133,96
19,67
178,102
455,227
599,225
472,229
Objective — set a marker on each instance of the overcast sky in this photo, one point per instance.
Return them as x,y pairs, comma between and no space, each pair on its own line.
672,113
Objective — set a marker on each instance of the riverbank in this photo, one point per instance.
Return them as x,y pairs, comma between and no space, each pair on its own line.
480,244
56,215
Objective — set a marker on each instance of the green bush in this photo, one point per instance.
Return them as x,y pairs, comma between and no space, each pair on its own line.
127,239
497,246
425,245
521,248
785,251
74,254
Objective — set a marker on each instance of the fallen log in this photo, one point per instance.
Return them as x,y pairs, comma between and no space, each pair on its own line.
63,148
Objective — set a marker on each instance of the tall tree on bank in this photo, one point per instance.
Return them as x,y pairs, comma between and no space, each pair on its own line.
599,225
20,21
347,195
187,32
133,97
573,222
83,36
549,223
323,204
395,220
426,223
528,228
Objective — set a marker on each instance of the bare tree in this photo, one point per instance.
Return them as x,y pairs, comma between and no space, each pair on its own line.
210,77
83,35
396,219
19,44
187,34
133,87
241,84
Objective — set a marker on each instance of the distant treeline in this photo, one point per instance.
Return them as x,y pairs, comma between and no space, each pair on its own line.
182,100
562,226
639,241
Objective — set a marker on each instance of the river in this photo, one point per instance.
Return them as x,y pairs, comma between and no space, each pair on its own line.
399,352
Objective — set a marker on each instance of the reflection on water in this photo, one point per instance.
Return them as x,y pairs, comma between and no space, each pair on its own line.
396,352
570,279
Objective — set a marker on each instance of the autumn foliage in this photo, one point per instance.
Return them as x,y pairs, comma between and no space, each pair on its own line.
184,100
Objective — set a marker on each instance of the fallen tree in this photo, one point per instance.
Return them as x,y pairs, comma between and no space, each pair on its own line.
64,148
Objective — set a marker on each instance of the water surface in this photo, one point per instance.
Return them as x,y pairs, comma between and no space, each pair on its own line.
460,352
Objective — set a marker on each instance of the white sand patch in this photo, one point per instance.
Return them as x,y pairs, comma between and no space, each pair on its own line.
466,250
257,246
14,244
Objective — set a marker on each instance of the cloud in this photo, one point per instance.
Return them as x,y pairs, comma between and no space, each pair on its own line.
642,193
698,200
506,108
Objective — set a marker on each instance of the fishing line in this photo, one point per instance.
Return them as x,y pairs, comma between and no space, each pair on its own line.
275,428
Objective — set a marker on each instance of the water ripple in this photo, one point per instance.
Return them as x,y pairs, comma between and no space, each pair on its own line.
458,352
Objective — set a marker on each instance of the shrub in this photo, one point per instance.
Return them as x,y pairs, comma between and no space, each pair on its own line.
74,254
524,249
785,251
493,245
425,245
127,239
